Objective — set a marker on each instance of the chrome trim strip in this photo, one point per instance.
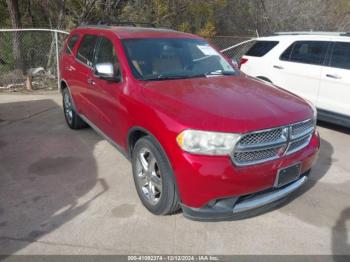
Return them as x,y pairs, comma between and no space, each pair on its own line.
267,198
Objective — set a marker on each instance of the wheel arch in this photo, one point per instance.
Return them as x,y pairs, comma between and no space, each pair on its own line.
264,78
134,134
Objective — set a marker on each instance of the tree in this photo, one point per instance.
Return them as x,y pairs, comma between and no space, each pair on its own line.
14,13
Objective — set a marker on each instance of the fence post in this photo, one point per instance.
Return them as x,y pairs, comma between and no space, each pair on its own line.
57,62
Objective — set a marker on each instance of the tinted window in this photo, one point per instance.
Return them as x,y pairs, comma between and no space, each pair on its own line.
308,52
261,48
106,54
341,55
286,54
86,49
71,43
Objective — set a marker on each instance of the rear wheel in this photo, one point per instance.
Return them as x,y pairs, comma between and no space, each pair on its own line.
73,120
153,177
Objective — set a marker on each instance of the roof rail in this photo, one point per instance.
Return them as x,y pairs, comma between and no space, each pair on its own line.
313,33
118,23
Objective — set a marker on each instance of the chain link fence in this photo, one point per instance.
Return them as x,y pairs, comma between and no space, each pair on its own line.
233,46
28,58
30,55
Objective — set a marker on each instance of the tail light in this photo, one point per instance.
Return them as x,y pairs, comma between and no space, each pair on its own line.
242,62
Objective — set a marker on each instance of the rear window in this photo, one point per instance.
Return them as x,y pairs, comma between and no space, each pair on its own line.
71,43
341,55
307,52
261,48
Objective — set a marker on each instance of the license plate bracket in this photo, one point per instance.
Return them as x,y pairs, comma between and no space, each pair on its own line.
287,174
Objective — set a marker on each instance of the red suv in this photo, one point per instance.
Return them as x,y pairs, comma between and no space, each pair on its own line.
200,134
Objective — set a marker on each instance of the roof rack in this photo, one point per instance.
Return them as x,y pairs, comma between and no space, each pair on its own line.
313,33
118,23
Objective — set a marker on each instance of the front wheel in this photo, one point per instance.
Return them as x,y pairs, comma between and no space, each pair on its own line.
73,120
153,177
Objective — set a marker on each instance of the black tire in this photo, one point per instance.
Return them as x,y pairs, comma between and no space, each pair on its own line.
168,201
73,120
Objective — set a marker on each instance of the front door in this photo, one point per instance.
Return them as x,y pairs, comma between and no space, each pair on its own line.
106,93
334,93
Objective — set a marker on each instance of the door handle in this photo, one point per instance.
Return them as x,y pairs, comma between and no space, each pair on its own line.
333,76
70,68
91,82
278,67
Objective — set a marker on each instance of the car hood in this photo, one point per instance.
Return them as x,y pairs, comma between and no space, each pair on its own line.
225,103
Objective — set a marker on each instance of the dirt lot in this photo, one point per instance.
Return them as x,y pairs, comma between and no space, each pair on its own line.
70,192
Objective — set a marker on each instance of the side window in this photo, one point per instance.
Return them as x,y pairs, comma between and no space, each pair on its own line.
106,54
308,52
341,55
261,48
286,54
86,49
71,43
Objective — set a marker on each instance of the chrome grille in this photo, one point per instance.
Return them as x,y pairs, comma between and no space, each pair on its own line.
299,129
262,137
244,158
269,144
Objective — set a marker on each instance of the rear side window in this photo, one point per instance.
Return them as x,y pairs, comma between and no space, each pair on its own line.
307,52
86,49
341,55
261,48
71,43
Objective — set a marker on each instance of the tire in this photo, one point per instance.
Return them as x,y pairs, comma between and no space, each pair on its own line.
73,120
153,177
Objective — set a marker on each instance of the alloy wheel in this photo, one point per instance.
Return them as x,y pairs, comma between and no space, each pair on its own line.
148,176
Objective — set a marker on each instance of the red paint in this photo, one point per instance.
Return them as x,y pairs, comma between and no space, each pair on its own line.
235,104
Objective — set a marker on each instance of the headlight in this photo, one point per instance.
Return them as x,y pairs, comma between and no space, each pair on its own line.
207,143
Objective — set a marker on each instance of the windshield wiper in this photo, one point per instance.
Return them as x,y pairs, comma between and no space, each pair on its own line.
219,73
164,77
174,77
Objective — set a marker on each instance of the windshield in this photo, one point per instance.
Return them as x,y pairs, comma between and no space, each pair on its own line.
174,58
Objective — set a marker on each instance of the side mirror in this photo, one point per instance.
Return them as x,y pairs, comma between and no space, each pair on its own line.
106,71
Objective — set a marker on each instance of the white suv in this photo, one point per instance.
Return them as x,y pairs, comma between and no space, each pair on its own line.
315,66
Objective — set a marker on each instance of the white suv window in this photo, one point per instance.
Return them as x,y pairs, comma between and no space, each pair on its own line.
341,55
261,48
307,52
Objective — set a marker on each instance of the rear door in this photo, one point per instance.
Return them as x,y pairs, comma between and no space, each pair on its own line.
68,63
299,68
83,74
334,93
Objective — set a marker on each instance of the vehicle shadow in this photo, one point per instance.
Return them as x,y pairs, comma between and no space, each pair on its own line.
48,173
340,237
341,129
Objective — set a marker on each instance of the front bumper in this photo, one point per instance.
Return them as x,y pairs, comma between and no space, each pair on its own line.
245,206
202,180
